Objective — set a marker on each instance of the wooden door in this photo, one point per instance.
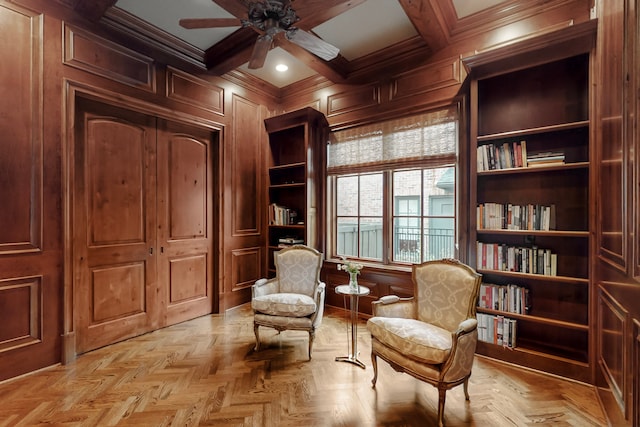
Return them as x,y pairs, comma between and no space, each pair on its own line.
185,194
115,286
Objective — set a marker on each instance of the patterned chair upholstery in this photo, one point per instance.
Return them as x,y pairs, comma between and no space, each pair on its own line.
294,299
431,336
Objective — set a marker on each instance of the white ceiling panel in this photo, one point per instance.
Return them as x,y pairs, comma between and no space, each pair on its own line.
367,28
165,15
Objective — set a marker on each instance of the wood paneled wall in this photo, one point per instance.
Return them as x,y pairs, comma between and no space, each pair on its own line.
56,56
54,59
616,288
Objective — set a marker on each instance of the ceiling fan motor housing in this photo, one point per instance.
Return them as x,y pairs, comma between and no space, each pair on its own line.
271,15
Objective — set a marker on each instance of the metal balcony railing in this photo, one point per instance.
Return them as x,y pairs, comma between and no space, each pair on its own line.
409,243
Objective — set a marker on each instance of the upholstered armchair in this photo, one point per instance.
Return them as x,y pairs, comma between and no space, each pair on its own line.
431,336
294,299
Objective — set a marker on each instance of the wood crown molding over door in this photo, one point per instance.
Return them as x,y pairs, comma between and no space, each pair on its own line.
142,219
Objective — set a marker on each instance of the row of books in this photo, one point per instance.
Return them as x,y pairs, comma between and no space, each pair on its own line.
509,298
514,155
502,156
499,216
497,329
546,158
281,215
502,257
287,241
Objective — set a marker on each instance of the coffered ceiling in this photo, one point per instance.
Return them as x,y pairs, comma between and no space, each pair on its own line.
372,35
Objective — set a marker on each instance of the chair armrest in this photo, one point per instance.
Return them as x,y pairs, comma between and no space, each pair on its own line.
264,287
394,306
467,326
318,297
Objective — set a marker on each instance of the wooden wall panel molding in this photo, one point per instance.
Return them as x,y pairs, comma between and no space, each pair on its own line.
246,267
611,156
188,278
193,91
117,292
353,100
93,54
612,329
21,163
434,76
21,308
247,166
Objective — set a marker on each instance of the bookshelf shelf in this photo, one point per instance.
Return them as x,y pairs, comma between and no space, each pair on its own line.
524,113
290,226
295,188
536,319
537,169
288,166
533,131
538,277
290,185
568,362
551,233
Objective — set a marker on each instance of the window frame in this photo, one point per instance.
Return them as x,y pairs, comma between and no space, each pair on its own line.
427,161
388,214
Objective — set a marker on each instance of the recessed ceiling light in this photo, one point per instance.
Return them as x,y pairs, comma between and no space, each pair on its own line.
282,68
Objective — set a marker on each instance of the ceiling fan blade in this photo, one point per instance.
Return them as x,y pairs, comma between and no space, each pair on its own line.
313,44
209,22
260,50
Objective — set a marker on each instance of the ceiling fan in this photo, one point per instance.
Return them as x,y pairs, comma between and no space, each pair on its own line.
270,18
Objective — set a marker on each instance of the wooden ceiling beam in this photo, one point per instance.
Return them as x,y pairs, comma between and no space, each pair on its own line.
314,13
425,17
320,66
230,53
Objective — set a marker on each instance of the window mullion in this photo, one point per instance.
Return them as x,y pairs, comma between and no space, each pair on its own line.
387,218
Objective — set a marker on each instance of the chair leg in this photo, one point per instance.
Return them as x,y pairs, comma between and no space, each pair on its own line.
442,394
312,336
466,388
255,331
374,363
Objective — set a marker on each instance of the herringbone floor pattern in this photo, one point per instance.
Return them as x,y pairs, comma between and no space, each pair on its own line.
205,372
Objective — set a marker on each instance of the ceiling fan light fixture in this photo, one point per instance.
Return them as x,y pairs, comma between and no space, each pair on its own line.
282,67
271,18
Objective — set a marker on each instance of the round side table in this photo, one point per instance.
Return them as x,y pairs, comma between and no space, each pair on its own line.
354,296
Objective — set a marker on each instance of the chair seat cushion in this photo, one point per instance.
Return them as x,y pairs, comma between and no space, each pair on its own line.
416,339
284,304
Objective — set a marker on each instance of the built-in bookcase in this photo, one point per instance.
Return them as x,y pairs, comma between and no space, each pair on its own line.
535,94
296,164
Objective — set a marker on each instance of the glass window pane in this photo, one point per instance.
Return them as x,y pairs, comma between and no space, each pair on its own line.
347,193
406,240
370,195
406,186
347,237
439,182
439,238
371,238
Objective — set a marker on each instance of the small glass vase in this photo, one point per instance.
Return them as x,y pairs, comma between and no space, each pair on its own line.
353,282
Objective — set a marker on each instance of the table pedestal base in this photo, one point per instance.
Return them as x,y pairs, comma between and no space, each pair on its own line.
354,295
351,359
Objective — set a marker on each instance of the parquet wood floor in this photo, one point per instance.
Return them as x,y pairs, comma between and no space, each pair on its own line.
205,372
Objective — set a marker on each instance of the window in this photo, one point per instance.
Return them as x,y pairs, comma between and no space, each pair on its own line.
392,190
